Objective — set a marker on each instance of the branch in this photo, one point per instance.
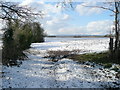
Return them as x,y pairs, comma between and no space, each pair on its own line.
101,8
12,11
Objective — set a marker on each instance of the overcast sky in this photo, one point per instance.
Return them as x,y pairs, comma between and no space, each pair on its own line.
81,20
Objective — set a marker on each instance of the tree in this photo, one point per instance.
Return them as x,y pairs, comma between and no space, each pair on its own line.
38,32
10,51
18,34
18,37
114,7
10,10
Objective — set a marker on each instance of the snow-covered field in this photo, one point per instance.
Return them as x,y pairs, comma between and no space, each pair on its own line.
83,44
39,72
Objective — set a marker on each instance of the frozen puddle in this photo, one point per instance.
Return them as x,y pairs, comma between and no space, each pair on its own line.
38,72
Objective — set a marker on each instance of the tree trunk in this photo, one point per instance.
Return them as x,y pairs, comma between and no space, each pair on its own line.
116,31
111,47
116,27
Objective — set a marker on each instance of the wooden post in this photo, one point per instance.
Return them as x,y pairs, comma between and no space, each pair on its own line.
111,47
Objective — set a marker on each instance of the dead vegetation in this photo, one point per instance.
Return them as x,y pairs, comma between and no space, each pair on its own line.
57,55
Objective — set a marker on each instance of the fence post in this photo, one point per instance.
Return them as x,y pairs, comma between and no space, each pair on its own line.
111,47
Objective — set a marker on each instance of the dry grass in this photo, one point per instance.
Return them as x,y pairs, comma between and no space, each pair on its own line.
56,55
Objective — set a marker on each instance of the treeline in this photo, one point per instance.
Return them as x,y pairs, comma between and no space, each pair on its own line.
17,37
78,36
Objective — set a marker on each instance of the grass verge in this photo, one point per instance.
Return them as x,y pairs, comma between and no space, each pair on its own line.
103,58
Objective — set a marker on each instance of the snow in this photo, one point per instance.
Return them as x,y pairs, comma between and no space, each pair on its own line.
86,45
39,72
0,44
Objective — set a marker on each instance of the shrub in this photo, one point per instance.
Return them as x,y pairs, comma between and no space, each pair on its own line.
38,32
108,65
18,37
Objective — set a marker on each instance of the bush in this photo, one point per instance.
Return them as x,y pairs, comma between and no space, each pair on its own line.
108,65
23,39
18,37
38,33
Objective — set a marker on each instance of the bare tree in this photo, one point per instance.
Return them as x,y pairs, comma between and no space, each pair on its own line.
10,10
114,7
